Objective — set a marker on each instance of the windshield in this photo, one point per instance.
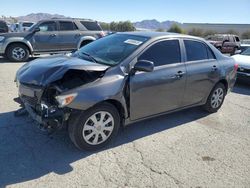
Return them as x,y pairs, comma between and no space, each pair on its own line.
27,24
246,52
33,26
112,49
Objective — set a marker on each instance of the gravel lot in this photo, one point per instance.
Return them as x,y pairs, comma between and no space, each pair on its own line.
186,149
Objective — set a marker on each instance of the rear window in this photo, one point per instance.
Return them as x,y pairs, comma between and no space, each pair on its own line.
237,39
92,26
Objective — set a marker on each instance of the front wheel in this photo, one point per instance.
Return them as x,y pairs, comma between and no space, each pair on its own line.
17,53
94,128
216,98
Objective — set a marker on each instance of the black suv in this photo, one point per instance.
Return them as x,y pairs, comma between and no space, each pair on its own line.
3,27
49,36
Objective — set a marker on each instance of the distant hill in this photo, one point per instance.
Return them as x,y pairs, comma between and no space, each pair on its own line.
35,17
154,24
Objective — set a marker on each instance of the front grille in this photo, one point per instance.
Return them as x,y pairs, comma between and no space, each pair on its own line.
244,70
32,101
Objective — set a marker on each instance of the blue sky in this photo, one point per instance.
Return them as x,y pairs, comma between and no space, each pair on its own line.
206,11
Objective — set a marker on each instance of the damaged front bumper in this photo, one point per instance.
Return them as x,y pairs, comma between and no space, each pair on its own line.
49,118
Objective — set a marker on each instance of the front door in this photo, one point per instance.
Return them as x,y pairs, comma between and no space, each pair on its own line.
47,38
163,89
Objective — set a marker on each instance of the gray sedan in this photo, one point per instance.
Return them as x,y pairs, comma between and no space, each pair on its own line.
121,79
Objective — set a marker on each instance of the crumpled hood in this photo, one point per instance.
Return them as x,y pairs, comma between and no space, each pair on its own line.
242,60
43,71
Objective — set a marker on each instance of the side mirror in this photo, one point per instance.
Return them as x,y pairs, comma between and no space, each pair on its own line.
37,29
144,65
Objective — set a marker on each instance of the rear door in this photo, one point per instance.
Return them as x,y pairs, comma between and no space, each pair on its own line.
202,71
163,89
68,36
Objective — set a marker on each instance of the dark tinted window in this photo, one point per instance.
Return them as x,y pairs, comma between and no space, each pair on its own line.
195,50
162,53
66,26
210,54
92,26
237,39
48,26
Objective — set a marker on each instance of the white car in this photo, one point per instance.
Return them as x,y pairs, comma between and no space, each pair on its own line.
243,60
24,26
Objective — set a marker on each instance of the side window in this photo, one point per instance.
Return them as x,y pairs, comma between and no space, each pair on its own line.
237,39
91,26
47,26
66,26
195,50
162,53
210,53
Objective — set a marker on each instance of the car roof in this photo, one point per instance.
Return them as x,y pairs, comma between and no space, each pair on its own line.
68,19
153,34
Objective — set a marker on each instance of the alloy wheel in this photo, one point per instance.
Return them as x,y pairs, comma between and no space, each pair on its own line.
18,53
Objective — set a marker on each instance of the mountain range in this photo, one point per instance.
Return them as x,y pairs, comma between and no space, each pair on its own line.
35,17
144,24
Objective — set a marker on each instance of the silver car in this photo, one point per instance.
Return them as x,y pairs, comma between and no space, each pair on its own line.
121,79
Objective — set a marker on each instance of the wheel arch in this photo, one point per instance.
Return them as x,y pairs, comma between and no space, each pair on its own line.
85,39
27,44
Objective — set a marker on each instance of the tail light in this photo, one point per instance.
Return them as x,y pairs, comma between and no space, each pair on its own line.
236,66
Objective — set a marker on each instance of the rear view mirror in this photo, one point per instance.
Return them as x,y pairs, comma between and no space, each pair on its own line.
144,65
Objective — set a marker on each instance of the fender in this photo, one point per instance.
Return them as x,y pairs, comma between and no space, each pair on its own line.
83,39
22,40
109,87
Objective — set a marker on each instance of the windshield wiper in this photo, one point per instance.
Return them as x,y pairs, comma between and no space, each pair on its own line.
90,57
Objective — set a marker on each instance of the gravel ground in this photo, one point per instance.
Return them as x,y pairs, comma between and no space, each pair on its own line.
185,149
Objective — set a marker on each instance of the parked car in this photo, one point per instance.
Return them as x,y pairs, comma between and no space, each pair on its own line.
49,36
243,60
123,78
24,26
3,27
226,43
244,47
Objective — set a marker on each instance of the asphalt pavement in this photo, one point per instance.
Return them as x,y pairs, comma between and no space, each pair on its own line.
190,148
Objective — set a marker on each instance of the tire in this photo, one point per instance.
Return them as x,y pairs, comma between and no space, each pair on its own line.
87,135
215,98
84,43
17,53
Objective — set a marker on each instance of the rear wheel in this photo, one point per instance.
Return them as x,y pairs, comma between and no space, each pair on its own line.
216,98
94,128
17,53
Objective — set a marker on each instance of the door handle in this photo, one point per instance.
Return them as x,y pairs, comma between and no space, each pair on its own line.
78,34
214,68
178,75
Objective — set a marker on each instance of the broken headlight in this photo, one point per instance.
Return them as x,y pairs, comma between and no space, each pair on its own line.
64,100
